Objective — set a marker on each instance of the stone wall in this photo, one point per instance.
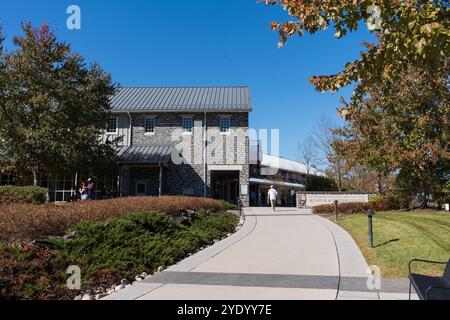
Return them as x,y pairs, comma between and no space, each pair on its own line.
324,198
150,176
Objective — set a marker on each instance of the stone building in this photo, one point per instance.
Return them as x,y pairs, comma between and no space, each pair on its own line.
182,141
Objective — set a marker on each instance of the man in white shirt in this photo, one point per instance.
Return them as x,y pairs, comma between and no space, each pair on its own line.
272,195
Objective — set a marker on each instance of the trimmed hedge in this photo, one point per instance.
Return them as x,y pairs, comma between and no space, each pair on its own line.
378,203
29,195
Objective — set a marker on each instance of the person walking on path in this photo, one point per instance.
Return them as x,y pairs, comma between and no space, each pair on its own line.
272,195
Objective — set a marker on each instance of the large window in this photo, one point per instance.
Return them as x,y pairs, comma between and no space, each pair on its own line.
187,124
112,125
150,125
63,188
141,188
224,124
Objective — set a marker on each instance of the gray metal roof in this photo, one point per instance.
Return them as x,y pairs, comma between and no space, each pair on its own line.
179,99
155,153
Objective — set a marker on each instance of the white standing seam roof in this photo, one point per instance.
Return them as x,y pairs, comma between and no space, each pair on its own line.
181,99
288,165
277,183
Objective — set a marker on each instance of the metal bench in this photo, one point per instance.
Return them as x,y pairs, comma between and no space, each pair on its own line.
428,287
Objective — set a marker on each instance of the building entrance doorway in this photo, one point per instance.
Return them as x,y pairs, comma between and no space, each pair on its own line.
225,185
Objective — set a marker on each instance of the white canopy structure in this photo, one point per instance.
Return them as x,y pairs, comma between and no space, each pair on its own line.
288,165
296,186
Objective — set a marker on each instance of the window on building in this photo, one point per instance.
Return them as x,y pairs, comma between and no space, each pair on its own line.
150,124
224,124
112,125
141,188
6,180
187,124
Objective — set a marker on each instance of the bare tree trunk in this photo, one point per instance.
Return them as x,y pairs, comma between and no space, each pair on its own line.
338,175
307,178
379,185
424,196
340,179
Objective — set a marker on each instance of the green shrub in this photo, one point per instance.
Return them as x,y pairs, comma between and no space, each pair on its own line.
30,195
377,199
106,251
140,242
228,206
385,203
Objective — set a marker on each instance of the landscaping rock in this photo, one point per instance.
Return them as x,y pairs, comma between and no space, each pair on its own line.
99,290
43,243
124,282
100,296
78,298
160,269
119,287
87,296
186,217
70,236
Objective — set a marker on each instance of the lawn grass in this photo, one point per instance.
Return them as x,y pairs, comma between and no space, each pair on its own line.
400,237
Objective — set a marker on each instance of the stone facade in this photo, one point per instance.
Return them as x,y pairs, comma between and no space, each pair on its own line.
186,174
146,175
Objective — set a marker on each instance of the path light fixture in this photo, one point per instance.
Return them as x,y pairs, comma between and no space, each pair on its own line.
336,209
370,216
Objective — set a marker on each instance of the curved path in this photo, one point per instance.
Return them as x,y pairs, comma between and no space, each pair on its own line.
291,254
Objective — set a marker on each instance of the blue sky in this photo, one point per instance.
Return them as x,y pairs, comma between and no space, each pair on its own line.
203,42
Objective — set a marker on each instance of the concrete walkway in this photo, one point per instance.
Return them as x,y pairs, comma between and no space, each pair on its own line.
289,255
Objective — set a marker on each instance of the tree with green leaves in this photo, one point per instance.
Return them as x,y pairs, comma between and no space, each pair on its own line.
53,107
405,129
397,118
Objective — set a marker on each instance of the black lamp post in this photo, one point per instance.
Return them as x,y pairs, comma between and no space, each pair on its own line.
370,216
336,209
240,207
